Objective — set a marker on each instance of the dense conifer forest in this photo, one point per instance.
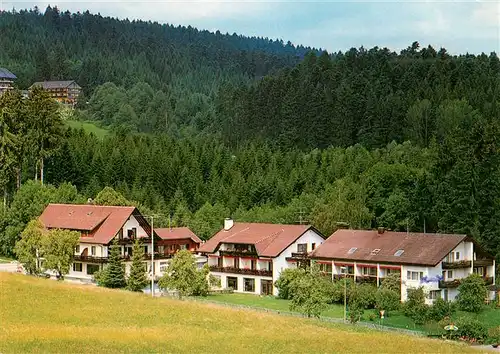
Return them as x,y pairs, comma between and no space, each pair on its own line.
206,126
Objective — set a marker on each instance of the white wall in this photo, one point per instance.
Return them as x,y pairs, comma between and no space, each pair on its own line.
280,263
131,223
241,284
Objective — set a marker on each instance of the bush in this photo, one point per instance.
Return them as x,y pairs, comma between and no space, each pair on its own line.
471,330
415,306
392,282
336,290
364,295
356,310
471,293
441,309
286,278
372,316
494,335
387,300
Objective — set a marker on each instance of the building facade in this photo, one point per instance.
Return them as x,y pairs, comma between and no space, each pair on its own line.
99,226
6,80
65,92
249,257
437,262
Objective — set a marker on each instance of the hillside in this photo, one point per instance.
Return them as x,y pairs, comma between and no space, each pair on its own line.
79,319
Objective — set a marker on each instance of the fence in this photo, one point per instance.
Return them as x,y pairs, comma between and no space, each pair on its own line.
296,314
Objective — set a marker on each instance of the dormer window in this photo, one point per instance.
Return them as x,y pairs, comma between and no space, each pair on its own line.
302,248
352,250
375,251
399,253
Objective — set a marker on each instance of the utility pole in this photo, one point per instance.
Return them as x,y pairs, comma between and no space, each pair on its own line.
152,258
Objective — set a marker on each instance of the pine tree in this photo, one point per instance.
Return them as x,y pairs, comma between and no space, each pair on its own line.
137,279
113,276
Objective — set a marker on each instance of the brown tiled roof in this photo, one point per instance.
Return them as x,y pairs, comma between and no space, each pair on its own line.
47,85
269,239
101,222
419,249
177,233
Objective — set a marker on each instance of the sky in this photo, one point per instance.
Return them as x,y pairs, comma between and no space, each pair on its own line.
471,26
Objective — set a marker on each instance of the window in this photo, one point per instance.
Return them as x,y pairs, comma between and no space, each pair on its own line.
232,282
128,251
219,262
398,253
249,284
145,249
457,256
92,268
163,266
450,274
375,251
369,271
434,294
183,247
161,249
414,275
313,246
253,264
236,262
302,248
77,267
327,268
266,287
479,270
352,250
92,250
77,249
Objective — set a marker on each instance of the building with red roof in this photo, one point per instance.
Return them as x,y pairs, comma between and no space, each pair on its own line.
249,257
99,225
435,261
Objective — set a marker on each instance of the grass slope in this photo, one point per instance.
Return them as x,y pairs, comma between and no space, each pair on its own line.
89,127
40,315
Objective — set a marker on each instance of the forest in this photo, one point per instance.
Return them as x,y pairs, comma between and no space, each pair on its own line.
408,140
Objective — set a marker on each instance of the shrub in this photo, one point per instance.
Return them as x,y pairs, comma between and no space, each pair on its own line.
308,295
356,310
372,316
336,290
471,293
286,278
415,306
364,295
471,330
494,335
441,309
387,300
392,282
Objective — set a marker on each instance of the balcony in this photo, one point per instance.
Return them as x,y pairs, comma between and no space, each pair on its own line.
259,272
366,279
90,259
457,264
298,256
456,282
236,253
483,262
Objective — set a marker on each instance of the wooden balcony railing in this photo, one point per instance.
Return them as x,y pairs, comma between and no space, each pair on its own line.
455,283
457,264
259,272
235,253
90,259
300,255
483,262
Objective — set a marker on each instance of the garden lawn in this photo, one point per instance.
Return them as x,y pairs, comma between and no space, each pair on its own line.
489,315
89,127
42,315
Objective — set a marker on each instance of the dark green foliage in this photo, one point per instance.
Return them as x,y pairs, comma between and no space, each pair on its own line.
137,279
283,283
363,295
113,274
308,294
415,306
441,309
387,300
392,282
472,293
471,330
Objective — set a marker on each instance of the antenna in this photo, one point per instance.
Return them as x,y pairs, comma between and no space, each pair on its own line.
301,214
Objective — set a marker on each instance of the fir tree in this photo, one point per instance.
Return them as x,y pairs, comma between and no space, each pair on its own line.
113,276
137,279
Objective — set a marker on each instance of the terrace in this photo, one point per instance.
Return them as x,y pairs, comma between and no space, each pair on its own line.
455,283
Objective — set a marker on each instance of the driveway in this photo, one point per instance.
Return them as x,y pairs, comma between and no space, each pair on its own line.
11,267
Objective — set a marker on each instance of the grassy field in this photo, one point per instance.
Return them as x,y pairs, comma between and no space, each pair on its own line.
490,316
40,315
89,127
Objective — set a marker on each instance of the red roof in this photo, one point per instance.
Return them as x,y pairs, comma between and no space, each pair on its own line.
101,222
269,239
362,245
177,233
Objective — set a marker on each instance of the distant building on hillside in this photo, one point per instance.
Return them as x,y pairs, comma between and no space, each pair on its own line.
6,80
99,226
65,92
437,262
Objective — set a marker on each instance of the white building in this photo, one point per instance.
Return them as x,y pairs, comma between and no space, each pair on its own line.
249,257
100,225
437,262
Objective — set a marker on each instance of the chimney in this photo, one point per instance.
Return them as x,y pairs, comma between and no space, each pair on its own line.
380,230
90,201
228,224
